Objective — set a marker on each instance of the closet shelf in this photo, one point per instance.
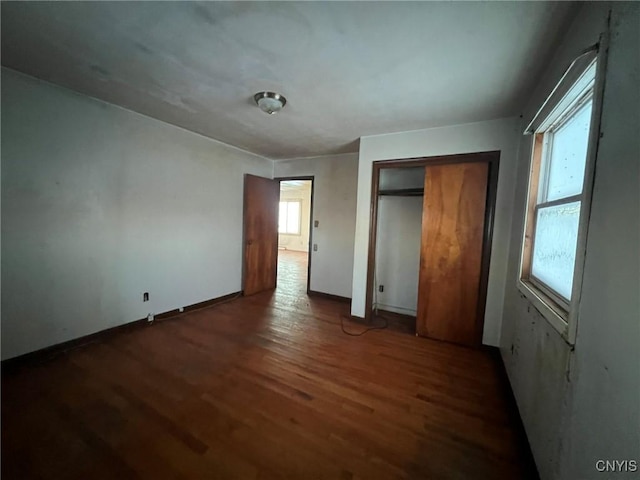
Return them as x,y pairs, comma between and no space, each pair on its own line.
402,192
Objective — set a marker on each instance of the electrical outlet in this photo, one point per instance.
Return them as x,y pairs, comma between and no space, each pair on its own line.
145,297
315,247
316,223
381,288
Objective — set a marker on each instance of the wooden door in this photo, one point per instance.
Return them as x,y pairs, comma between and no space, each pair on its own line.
453,219
261,197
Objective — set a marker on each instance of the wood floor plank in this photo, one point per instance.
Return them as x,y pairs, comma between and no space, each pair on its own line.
263,387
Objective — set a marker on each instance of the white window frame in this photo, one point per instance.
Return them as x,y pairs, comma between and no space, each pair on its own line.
299,202
562,315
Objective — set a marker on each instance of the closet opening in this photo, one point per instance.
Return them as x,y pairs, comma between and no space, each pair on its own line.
430,243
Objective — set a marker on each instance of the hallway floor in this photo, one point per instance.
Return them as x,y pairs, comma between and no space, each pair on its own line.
292,272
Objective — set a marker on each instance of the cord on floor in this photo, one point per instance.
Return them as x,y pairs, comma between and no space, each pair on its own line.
368,329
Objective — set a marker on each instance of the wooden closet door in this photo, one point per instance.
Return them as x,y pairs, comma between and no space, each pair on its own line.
453,220
261,196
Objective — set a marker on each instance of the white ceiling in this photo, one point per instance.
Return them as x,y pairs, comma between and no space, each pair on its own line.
348,69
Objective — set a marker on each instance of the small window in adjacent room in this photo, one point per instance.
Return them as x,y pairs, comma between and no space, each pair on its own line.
559,194
289,217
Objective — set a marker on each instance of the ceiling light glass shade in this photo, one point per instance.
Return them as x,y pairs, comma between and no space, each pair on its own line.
270,102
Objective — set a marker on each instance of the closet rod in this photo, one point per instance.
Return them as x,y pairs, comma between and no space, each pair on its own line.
402,192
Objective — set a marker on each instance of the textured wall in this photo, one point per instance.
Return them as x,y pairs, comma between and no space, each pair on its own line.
99,205
582,405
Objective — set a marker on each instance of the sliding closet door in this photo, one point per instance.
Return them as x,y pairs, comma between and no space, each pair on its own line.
453,219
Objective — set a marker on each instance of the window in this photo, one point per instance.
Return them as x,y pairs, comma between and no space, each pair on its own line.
559,195
289,217
556,213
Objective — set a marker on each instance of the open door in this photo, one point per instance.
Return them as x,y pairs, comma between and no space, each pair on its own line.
260,234
453,224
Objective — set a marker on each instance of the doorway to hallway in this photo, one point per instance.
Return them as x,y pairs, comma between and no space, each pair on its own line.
295,231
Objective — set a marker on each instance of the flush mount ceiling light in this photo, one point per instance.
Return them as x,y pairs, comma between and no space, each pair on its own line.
270,102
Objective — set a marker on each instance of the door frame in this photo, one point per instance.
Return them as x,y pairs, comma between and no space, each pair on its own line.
313,184
493,159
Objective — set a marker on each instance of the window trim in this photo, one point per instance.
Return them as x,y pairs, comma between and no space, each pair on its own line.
299,202
563,316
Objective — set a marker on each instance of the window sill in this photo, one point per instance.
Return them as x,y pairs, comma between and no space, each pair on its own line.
554,315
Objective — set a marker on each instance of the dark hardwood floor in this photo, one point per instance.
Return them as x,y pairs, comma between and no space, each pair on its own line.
262,387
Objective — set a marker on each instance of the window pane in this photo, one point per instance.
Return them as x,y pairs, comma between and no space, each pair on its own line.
293,218
569,155
554,252
282,217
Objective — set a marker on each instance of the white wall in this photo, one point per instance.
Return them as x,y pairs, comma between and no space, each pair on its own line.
299,242
503,135
398,253
334,206
99,205
582,405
